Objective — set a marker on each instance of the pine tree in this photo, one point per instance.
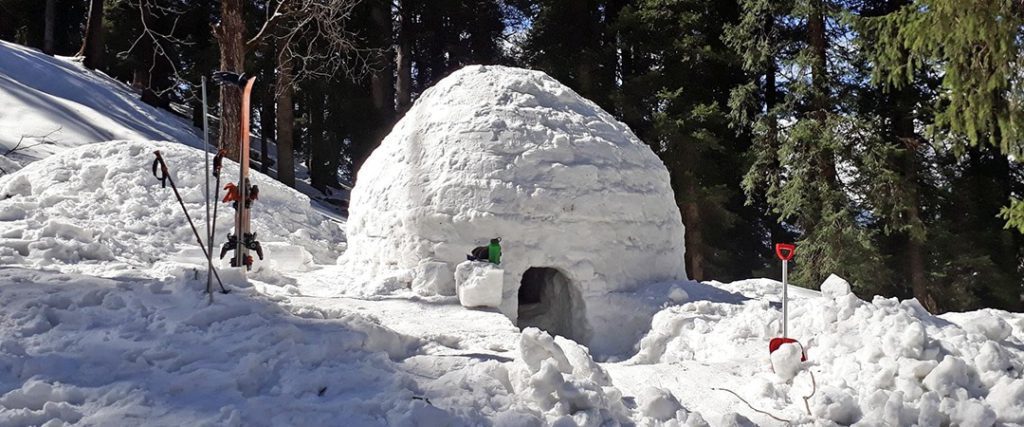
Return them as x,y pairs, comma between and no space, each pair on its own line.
804,135
974,49
978,46
675,92
572,41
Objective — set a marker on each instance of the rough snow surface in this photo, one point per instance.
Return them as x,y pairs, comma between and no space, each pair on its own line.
503,152
880,362
98,207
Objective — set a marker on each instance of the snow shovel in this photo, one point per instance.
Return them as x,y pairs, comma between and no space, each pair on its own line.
785,253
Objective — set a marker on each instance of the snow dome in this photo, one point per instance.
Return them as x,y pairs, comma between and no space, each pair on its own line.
583,207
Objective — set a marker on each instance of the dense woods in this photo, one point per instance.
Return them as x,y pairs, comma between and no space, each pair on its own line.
882,136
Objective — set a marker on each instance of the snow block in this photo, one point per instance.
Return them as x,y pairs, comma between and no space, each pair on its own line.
834,287
991,327
786,361
433,278
658,403
479,284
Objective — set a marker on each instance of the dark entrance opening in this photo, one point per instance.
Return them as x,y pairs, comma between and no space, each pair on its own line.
549,301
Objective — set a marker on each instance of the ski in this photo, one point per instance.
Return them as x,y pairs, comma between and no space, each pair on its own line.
244,193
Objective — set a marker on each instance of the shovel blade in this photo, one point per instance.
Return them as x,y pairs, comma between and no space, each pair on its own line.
775,343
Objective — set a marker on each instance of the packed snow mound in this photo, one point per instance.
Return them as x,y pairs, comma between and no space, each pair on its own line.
880,362
94,207
495,151
44,96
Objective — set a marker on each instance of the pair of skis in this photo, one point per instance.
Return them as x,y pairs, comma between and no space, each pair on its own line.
244,193
241,195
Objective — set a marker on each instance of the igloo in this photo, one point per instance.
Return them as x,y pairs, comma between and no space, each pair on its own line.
583,207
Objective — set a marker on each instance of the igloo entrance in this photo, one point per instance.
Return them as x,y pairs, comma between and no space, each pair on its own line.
548,300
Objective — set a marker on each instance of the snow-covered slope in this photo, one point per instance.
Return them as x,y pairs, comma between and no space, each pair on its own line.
42,96
49,104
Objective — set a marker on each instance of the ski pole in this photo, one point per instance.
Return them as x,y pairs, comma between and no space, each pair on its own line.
206,194
163,181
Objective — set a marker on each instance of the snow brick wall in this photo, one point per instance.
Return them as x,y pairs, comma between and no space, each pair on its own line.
583,207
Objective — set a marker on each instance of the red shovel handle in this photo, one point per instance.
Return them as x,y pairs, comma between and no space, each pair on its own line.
785,251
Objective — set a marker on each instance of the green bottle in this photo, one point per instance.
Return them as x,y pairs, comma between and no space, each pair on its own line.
494,251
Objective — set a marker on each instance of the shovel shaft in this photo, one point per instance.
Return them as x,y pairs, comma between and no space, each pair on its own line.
785,298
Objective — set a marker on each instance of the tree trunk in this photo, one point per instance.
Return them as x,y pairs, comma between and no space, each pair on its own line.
324,155
690,210
48,43
285,121
913,241
825,158
404,57
267,128
817,39
92,44
585,65
267,116
382,84
694,237
230,35
319,161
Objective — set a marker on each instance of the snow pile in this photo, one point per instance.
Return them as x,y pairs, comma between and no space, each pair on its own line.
559,376
503,152
43,96
878,362
99,208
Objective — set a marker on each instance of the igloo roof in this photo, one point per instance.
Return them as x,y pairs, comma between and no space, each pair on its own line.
497,151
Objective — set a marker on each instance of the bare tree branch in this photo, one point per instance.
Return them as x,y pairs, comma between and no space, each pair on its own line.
270,19
42,140
153,8
318,43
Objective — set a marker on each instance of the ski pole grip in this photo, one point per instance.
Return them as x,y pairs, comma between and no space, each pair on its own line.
163,169
785,251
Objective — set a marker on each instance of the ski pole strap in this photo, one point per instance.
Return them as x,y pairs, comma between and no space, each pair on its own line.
163,169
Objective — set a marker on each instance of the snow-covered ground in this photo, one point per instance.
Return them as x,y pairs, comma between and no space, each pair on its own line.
103,321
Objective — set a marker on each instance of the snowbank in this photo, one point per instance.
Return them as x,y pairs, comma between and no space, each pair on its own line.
41,95
98,207
879,362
